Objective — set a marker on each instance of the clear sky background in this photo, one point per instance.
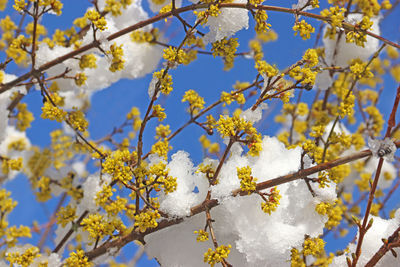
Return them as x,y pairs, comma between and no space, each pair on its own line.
205,75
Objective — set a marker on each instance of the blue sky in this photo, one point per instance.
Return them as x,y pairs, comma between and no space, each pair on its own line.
206,76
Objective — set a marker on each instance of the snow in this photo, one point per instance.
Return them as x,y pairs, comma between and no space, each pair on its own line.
348,51
257,238
140,58
226,24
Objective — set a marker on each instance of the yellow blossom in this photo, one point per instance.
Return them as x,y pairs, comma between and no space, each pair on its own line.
304,29
147,219
24,259
96,19
247,181
261,21
272,201
201,235
49,111
158,112
76,259
117,54
164,81
225,48
218,255
196,102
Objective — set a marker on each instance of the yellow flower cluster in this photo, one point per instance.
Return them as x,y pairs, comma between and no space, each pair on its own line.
255,2
314,3
64,148
313,246
18,144
346,107
161,148
218,255
114,6
227,49
377,121
11,165
266,69
20,5
8,28
134,115
43,185
162,131
317,131
364,182
24,117
228,98
146,220
139,36
165,9
273,201
296,258
99,227
338,173
302,109
208,170
117,165
25,259
305,76
77,259
334,212
213,10
232,126
96,19
368,95
336,17
78,120
247,181
66,215
360,70
118,61
15,50
39,162
55,5
369,7
196,102
314,151
211,122
172,54
49,111
395,72
158,175
103,196
80,78
6,203
202,235
40,29
359,37
88,61
261,21
386,4
165,81
158,112
113,207
311,57
12,233
80,22
303,29
256,48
